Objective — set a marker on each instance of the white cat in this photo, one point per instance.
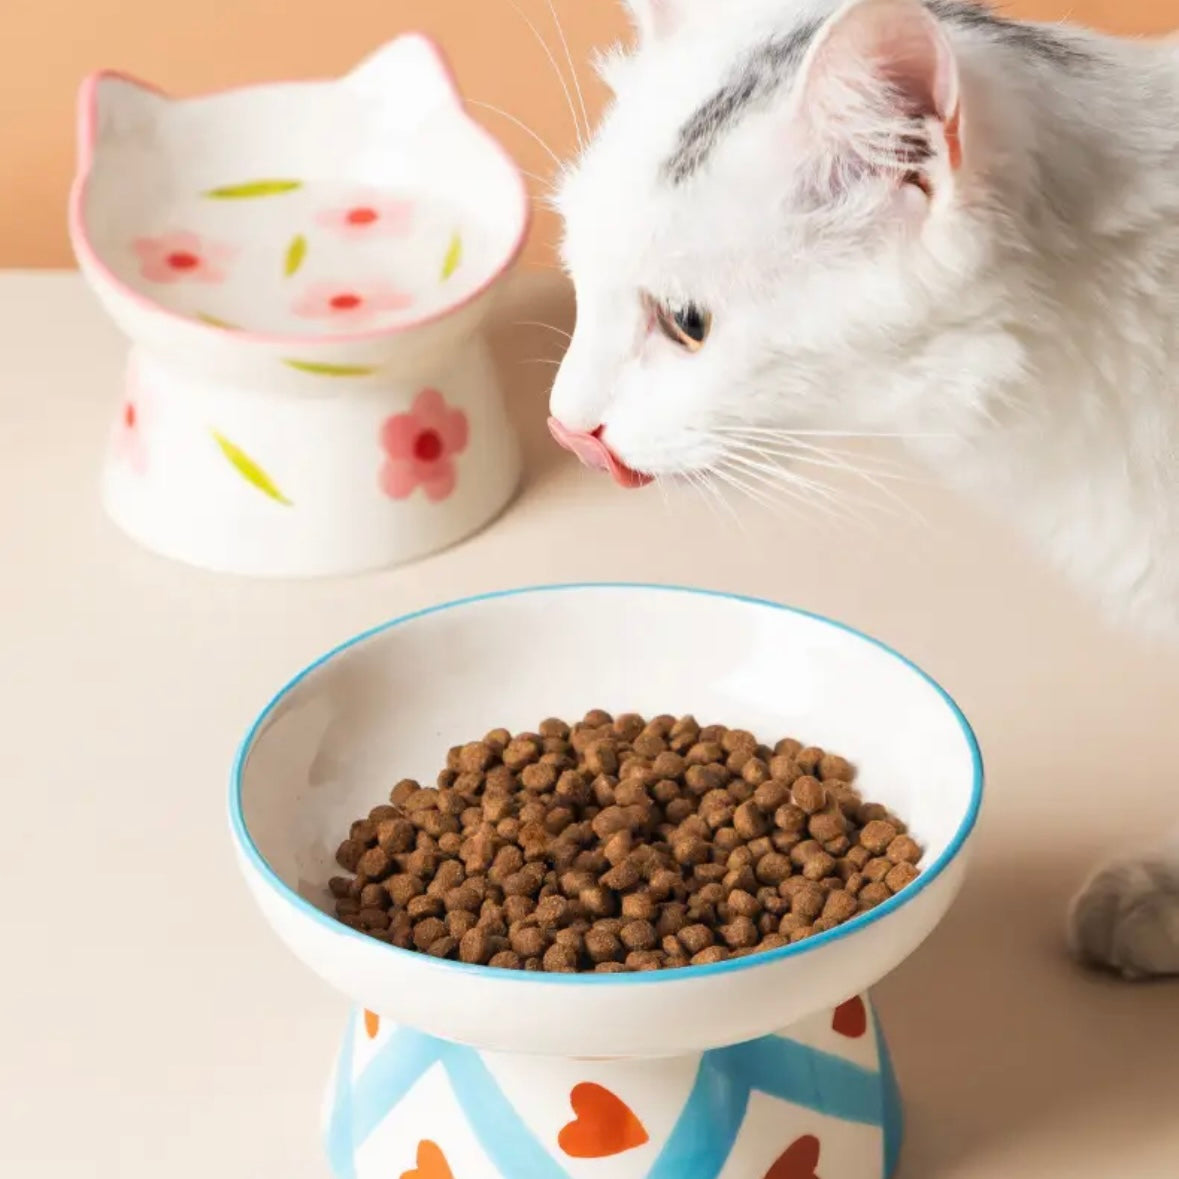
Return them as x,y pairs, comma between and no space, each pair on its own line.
905,217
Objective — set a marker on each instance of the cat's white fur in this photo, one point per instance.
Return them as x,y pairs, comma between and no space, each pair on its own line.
1016,313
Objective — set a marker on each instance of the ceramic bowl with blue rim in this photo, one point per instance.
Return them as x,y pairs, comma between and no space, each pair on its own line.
766,1067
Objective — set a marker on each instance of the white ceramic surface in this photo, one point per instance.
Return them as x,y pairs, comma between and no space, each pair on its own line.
389,704
303,269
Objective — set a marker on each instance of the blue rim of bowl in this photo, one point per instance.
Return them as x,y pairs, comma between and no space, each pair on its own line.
688,973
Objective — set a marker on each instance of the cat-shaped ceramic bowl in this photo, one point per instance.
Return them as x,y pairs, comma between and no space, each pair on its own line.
303,270
769,1067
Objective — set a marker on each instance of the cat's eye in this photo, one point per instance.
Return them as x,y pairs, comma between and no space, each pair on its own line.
685,324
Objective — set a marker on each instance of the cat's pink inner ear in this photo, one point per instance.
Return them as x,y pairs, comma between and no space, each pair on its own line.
885,56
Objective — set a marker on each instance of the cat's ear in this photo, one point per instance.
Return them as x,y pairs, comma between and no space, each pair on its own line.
879,90
654,18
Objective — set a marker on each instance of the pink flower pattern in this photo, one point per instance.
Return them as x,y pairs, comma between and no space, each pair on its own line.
350,303
420,447
127,441
369,215
182,257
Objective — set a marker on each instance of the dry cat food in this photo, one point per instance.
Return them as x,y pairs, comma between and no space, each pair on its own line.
620,844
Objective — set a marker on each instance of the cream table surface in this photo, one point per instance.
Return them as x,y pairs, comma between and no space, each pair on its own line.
151,1026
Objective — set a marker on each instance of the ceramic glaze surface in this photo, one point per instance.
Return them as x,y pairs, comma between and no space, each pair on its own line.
819,1099
389,705
303,269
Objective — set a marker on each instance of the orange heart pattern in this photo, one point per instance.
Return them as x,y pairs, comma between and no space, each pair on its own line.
851,1019
432,1163
604,1125
798,1161
372,1024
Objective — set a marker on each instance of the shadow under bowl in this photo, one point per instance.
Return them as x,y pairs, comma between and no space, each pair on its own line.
388,704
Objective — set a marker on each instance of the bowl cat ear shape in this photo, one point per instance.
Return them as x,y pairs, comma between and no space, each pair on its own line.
112,107
409,76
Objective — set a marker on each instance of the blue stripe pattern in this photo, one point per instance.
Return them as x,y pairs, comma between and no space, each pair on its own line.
699,1144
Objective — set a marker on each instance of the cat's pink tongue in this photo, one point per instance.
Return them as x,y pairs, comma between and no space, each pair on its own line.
594,453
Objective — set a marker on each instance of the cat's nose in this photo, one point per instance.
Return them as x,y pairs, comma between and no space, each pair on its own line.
594,453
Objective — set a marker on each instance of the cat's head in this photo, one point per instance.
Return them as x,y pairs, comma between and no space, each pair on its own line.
780,201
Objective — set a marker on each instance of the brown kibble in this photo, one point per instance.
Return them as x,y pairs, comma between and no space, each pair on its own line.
338,886
374,896
819,866
375,864
872,895
808,901
840,907
709,956
773,868
877,836
622,877
749,821
831,766
373,919
837,847
695,938
460,922
827,826
858,857
395,836
690,850
475,947
704,753
901,876
672,918
876,870
649,745
602,946
618,847
521,752
904,850
741,933
561,959
809,759
755,772
640,960
506,960
669,765
639,935
427,931
601,757
809,795
348,854
403,791
871,812
769,796
639,906
737,739
791,819
783,769
529,941
426,905
597,901
539,777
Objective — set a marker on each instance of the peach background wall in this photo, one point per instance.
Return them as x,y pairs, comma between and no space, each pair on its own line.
186,46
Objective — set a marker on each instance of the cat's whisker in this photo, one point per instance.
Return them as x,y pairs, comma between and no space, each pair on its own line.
540,360
540,40
572,69
487,106
880,465
773,504
552,327
838,505
852,469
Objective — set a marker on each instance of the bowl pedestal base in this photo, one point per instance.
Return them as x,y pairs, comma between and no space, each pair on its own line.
816,1100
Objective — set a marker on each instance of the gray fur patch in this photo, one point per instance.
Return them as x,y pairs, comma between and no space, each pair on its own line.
758,78
772,64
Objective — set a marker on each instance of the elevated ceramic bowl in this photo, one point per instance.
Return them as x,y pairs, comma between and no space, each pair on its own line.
735,1069
303,269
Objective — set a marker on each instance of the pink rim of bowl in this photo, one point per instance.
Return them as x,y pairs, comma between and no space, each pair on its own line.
87,120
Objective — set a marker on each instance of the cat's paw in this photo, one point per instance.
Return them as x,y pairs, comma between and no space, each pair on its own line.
1126,917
